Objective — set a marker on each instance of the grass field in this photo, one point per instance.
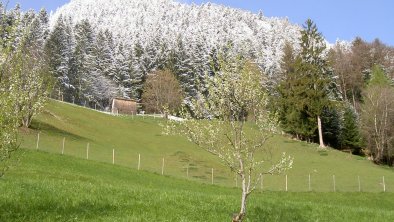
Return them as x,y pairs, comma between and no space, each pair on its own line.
130,137
51,187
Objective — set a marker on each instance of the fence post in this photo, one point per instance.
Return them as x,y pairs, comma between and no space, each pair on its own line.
38,140
64,141
113,156
309,182
359,184
384,185
87,151
212,176
286,182
333,178
162,168
139,161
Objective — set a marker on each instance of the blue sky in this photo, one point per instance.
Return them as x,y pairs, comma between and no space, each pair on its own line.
343,19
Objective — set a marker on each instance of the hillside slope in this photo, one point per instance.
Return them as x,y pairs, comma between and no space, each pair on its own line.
50,187
129,137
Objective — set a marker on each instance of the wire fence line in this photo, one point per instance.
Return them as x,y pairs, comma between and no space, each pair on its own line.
170,166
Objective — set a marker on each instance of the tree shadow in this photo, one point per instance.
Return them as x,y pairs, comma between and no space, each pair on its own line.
52,130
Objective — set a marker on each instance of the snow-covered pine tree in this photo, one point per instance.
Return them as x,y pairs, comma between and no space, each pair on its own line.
199,63
122,76
84,62
137,71
105,54
180,61
58,49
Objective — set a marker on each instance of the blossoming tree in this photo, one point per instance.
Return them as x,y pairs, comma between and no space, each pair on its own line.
230,120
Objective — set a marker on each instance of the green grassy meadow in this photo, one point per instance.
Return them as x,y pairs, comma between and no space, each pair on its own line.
52,187
45,185
131,136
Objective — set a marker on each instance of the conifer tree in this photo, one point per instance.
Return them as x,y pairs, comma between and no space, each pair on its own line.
307,90
104,52
84,62
122,76
138,71
350,135
58,48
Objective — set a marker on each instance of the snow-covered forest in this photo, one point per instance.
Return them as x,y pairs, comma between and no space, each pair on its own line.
121,41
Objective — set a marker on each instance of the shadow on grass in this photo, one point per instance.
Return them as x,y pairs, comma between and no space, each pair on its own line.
52,130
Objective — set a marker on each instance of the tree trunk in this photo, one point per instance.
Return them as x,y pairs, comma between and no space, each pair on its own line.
26,121
320,132
241,215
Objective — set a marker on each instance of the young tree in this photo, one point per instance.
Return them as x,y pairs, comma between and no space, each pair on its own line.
29,69
162,92
29,76
234,93
9,118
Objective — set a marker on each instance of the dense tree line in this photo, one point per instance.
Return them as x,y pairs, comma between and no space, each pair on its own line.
346,90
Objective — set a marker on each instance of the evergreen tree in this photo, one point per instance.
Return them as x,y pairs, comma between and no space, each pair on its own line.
58,49
137,71
332,127
122,76
84,62
105,55
183,69
350,137
308,90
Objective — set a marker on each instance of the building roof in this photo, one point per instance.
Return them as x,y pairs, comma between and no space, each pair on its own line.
125,99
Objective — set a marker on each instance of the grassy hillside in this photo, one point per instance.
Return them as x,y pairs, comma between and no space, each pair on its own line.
51,187
132,136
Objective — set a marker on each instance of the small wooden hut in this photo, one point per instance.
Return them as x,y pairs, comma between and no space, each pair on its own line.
124,106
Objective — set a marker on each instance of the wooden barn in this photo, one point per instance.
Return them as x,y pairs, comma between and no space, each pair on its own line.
124,106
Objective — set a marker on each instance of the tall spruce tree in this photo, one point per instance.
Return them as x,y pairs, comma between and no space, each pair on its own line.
307,89
122,76
137,71
84,61
58,48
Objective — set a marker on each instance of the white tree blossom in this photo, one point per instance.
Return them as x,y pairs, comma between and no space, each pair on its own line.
239,126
